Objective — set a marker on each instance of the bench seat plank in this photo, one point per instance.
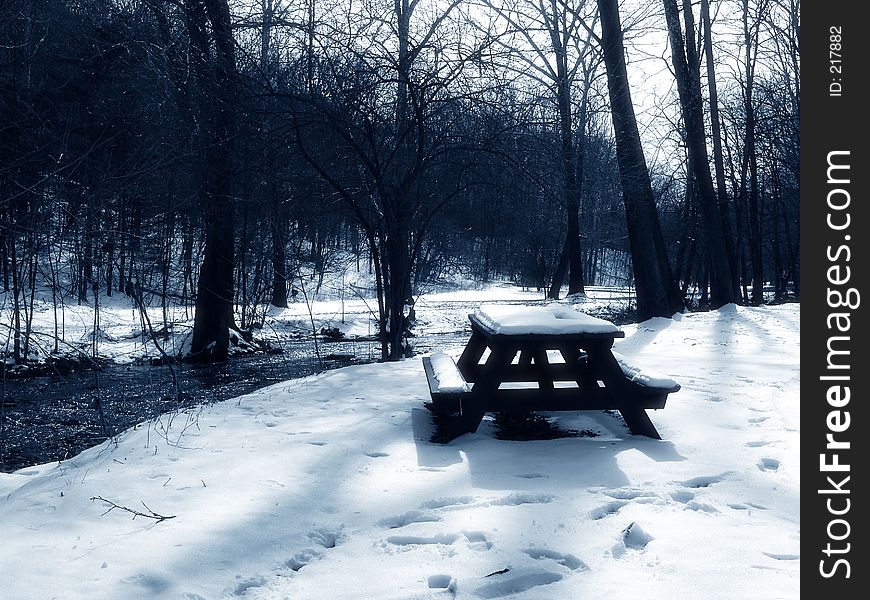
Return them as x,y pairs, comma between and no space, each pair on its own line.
445,375
447,386
645,379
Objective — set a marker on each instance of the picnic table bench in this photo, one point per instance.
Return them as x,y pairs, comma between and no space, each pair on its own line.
542,358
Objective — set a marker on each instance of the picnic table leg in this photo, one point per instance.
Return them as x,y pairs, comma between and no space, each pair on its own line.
468,361
639,422
601,359
475,404
525,358
542,363
573,356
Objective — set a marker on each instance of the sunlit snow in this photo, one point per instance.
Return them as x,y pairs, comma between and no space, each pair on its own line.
328,487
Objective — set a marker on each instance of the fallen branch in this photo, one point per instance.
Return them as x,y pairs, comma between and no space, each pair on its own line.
149,515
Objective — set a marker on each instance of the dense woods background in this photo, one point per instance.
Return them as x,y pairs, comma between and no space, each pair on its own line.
201,152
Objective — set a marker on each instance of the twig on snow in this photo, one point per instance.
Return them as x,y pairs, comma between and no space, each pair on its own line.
148,515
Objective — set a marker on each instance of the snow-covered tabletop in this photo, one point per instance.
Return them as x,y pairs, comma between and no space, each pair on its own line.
508,319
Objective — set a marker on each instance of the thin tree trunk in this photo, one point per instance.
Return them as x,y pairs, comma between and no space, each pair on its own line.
687,71
572,192
17,293
279,265
559,274
718,157
755,253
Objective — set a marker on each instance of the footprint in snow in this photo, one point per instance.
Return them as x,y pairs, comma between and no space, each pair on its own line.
151,583
683,496
377,454
782,556
746,506
621,497
451,502
442,582
241,588
518,499
756,444
701,507
705,480
633,537
413,516
477,540
687,498
325,538
768,464
611,508
566,560
302,558
508,583
627,493
440,539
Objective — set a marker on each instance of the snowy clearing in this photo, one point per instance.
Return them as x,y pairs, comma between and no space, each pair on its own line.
328,487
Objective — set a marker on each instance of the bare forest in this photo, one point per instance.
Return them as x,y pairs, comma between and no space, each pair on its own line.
220,155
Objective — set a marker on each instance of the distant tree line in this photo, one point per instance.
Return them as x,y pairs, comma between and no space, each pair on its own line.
200,152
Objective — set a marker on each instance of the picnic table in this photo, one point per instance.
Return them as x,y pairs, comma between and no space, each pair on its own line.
542,358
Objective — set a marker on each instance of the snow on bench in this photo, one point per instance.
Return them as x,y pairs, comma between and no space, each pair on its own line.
444,377
645,379
447,386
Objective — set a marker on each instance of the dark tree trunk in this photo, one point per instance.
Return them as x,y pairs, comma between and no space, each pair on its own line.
398,267
657,292
109,254
572,190
269,186
242,276
687,71
87,257
279,267
718,155
750,42
559,274
686,243
187,260
17,293
214,297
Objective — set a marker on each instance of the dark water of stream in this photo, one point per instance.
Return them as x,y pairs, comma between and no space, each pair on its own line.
54,417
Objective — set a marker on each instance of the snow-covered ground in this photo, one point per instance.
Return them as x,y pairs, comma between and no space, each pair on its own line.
329,488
